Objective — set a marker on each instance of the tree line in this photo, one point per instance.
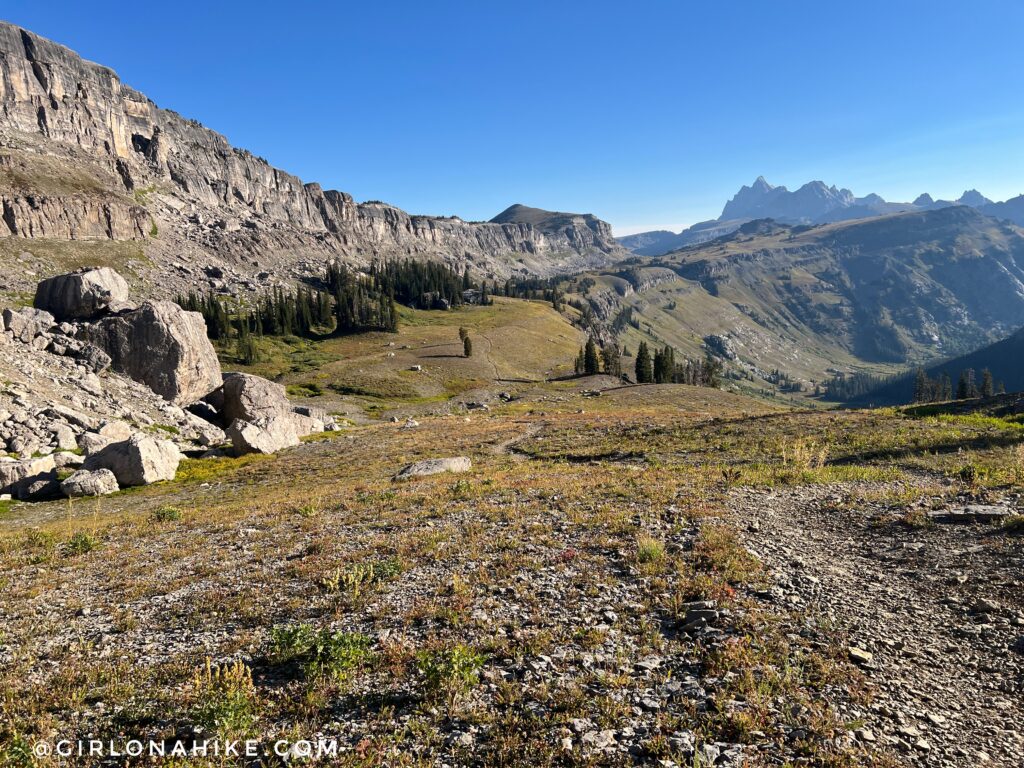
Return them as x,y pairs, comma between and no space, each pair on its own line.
940,388
662,368
659,368
916,387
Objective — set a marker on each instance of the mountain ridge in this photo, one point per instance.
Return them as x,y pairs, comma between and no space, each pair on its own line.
85,157
812,203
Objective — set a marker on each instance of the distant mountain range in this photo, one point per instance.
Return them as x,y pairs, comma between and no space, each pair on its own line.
813,203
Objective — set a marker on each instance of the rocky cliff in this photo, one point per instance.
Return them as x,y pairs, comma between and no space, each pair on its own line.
85,157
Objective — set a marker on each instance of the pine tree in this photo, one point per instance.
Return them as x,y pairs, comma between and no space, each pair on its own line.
591,361
987,385
611,360
644,366
580,362
962,390
921,386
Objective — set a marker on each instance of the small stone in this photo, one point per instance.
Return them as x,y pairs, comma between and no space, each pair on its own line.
859,655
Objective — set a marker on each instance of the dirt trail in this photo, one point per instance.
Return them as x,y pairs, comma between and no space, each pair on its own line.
940,610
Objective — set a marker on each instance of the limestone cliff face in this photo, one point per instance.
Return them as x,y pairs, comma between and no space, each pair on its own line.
154,167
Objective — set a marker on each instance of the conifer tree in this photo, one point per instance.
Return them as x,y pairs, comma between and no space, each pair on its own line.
962,389
467,347
591,361
987,385
920,386
644,367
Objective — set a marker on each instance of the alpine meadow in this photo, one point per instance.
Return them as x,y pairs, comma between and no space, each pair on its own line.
702,478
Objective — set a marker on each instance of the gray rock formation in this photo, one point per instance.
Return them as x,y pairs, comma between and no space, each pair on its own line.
81,295
162,346
26,478
251,398
263,435
100,482
259,417
101,161
26,324
139,460
435,467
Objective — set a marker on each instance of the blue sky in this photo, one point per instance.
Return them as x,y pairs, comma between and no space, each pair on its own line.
648,114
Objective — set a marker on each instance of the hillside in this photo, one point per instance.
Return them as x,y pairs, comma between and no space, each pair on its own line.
867,295
87,159
1005,359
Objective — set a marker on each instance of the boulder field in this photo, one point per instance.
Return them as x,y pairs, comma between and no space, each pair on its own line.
100,393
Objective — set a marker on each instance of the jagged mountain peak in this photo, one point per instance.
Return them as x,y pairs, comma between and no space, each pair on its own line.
973,198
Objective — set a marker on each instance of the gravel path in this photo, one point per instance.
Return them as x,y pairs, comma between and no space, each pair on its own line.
933,615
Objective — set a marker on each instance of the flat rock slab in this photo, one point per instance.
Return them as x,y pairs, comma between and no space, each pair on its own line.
435,467
974,513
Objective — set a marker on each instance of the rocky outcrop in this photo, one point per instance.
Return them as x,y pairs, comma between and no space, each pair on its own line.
162,346
252,398
147,164
139,460
26,324
264,435
72,218
28,477
81,295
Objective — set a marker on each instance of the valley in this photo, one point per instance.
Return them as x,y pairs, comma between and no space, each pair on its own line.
285,468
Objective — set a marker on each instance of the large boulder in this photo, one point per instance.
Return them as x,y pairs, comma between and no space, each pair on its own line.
18,477
429,467
81,295
139,460
251,398
162,346
27,323
264,435
257,415
85,483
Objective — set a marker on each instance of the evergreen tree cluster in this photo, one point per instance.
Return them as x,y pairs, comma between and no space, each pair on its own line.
841,387
967,386
662,368
535,289
417,284
916,387
592,360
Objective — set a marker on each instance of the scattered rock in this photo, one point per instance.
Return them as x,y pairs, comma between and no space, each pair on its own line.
435,467
859,655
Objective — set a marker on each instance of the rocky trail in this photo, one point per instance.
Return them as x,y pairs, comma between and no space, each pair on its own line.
933,615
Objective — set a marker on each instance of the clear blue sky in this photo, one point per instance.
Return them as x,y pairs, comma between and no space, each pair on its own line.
649,114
